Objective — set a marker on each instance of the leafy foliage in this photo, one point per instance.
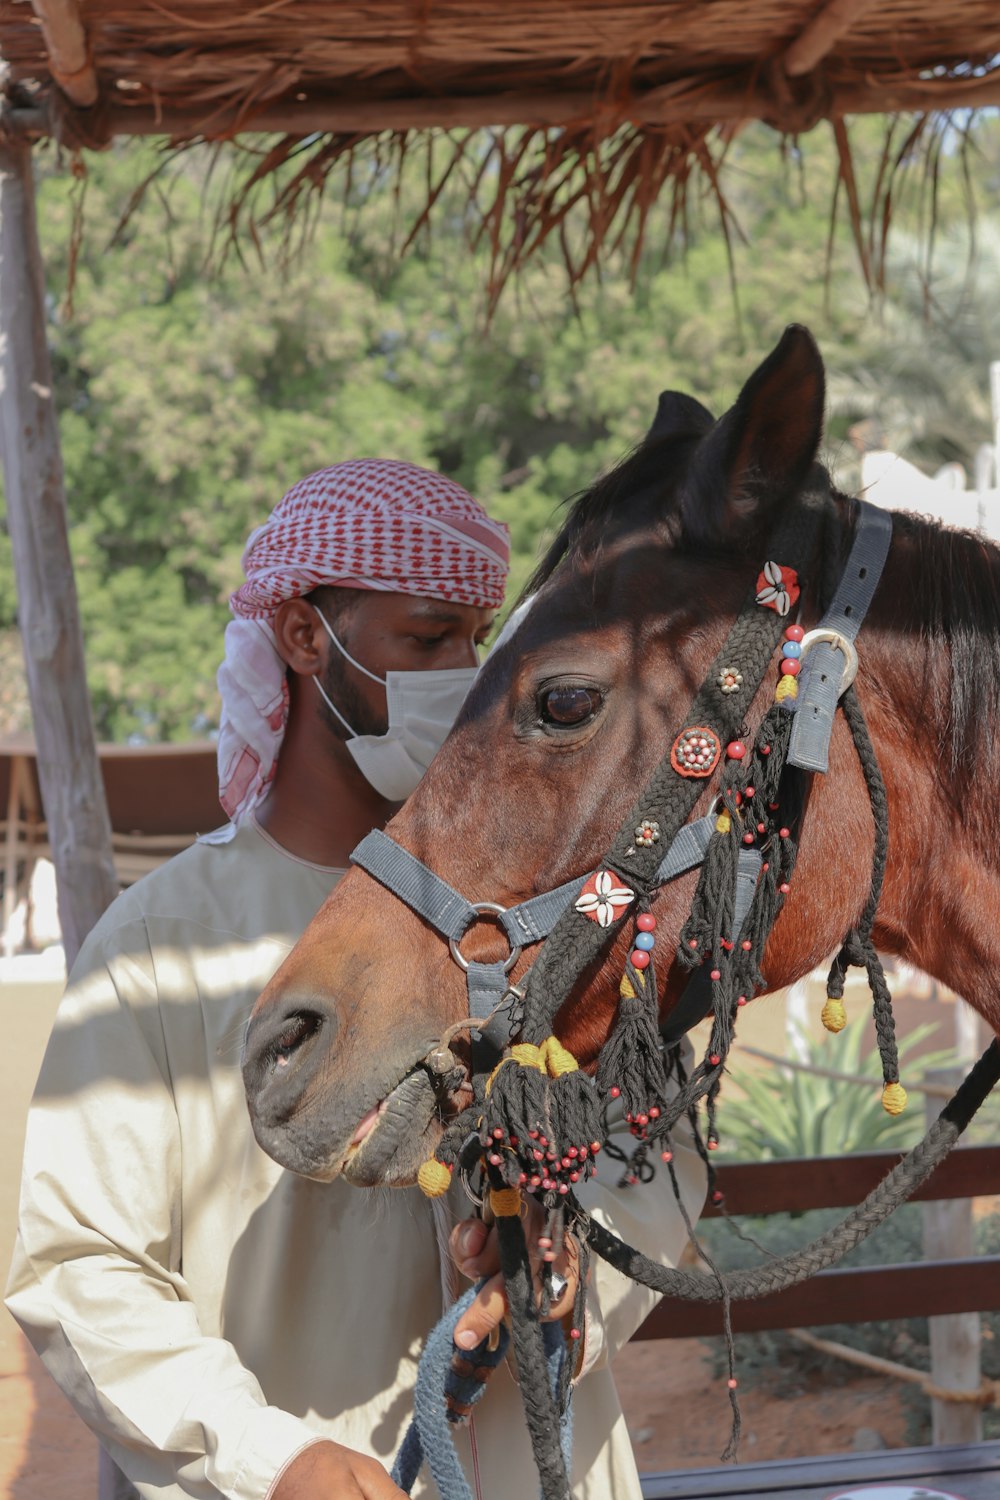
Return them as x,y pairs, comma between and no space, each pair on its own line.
191,400
785,1112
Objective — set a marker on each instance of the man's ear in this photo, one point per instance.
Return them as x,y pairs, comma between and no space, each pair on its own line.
758,455
300,637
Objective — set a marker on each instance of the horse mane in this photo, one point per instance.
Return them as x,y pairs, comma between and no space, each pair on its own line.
955,582
955,587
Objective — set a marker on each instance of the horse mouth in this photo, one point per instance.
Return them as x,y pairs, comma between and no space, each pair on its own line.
321,1132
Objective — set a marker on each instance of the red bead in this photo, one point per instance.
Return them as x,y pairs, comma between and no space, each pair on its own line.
614,1092
534,1182
654,1113
494,1159
790,667
765,749
714,1059
595,1146
794,633
751,791
761,827
765,866
718,1195
639,959
738,798
646,922
631,1179
746,945
784,832
713,1145
522,1179
497,1133
715,974
726,944
773,806
784,887
748,838
642,1119
666,1156
692,942
572,1153
544,1243
736,749
574,1333
741,1000
732,1382
574,1177
563,1188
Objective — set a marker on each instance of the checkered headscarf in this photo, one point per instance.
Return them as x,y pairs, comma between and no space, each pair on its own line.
367,524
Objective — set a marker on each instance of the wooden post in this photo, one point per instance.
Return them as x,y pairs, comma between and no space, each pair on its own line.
956,1339
68,769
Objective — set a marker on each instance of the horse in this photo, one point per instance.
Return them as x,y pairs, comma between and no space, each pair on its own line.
569,719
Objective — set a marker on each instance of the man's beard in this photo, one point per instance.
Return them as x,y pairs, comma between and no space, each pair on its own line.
346,695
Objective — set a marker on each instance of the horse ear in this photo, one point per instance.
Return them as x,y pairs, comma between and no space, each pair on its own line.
678,415
761,451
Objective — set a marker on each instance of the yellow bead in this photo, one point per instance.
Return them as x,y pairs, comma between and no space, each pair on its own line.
788,687
723,823
505,1202
434,1178
833,1015
894,1098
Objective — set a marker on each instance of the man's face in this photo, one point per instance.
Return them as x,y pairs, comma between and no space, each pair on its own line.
395,633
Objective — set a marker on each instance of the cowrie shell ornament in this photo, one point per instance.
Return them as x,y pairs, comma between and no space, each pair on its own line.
777,587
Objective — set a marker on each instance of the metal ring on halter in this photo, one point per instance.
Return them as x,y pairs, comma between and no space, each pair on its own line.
838,639
489,908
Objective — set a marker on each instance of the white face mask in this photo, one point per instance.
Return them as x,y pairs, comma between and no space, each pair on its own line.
422,708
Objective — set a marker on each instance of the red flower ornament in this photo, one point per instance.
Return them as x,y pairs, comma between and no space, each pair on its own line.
602,899
777,587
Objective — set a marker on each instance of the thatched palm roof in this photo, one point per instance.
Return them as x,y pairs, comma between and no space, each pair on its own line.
213,67
595,109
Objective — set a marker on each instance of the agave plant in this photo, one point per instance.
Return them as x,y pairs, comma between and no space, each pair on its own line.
786,1112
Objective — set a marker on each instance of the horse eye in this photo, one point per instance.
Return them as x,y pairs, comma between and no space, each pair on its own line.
569,706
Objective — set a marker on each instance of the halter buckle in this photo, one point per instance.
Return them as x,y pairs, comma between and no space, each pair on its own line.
485,908
842,643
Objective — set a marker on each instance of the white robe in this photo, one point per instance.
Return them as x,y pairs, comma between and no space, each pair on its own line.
205,1311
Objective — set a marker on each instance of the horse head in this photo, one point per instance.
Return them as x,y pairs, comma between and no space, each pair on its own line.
563,728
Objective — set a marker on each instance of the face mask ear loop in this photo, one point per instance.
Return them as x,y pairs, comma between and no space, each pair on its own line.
334,709
346,655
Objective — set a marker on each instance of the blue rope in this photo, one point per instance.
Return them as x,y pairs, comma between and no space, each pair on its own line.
449,1382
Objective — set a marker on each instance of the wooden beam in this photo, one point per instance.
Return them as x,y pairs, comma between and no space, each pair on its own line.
674,104
66,43
825,29
867,1294
68,771
790,1185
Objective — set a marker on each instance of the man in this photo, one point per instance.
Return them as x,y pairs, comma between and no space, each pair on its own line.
226,1327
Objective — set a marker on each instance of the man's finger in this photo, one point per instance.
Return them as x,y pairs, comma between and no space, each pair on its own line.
485,1312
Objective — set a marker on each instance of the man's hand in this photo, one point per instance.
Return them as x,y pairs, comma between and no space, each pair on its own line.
327,1471
475,1252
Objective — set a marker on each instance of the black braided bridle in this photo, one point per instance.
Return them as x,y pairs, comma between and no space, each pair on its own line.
536,1121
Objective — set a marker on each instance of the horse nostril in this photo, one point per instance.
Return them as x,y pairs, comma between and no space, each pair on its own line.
298,1029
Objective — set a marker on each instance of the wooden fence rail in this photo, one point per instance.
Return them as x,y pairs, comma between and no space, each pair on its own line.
860,1295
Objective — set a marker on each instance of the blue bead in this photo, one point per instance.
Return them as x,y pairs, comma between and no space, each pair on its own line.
791,648
645,941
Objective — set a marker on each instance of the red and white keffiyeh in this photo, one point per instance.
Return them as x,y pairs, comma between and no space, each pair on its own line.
366,524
